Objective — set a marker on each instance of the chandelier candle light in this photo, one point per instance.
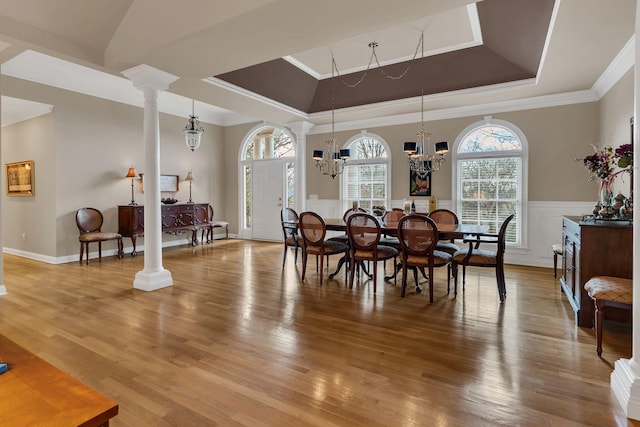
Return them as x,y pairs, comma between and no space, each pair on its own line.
333,165
418,155
193,131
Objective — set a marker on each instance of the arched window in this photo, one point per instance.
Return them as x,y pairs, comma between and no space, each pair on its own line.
490,177
274,146
367,174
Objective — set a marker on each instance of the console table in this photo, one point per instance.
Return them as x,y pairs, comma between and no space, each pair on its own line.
176,219
33,392
599,248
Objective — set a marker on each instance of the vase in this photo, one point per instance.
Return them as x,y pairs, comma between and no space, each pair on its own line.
606,210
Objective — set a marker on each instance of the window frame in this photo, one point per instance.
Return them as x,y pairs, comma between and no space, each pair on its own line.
244,231
346,204
523,154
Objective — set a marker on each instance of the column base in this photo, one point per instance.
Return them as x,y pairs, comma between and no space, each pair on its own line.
3,290
152,281
625,384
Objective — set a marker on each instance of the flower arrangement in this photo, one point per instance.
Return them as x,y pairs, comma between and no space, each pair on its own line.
624,154
600,165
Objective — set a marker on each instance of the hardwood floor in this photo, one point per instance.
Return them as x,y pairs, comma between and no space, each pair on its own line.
237,340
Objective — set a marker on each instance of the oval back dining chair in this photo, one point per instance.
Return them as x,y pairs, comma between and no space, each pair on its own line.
292,239
364,237
419,236
476,257
449,217
445,216
89,222
314,230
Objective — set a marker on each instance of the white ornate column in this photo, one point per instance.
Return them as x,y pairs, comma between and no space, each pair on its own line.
3,289
257,147
301,129
151,80
268,146
625,378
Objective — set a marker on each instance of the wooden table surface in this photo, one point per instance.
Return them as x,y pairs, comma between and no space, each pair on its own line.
447,231
35,393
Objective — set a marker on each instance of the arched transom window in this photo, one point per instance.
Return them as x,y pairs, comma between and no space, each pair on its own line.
367,173
490,179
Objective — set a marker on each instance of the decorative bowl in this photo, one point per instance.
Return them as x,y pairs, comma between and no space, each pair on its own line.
169,201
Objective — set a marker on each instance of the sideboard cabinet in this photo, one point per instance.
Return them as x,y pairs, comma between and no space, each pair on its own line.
178,218
599,248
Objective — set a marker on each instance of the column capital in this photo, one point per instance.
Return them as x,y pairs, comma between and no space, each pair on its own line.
300,128
145,77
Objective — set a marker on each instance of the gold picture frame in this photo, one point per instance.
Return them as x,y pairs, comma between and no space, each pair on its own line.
20,178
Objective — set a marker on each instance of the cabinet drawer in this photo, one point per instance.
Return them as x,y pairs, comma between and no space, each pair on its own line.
571,231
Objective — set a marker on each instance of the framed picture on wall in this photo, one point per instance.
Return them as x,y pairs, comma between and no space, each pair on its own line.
20,178
419,184
167,183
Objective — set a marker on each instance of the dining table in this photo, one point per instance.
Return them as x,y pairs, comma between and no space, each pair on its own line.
446,232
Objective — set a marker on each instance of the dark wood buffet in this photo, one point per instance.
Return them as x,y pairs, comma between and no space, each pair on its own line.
597,248
176,219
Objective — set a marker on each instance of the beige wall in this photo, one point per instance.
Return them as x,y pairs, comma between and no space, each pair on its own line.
556,137
83,151
615,129
29,222
233,137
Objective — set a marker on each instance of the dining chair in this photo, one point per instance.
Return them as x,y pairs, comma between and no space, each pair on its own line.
292,238
418,235
89,222
313,231
364,233
476,257
445,216
343,238
449,217
391,239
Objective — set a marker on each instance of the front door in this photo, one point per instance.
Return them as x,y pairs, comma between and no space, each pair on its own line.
267,199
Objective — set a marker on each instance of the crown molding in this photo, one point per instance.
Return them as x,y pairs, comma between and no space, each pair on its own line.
577,97
254,96
622,63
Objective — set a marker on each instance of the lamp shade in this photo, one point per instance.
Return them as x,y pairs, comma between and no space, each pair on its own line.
189,176
410,147
318,154
131,173
345,153
441,147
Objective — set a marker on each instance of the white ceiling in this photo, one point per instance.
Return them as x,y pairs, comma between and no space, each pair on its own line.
84,46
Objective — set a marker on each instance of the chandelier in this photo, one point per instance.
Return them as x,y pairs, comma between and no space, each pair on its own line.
192,131
420,160
336,159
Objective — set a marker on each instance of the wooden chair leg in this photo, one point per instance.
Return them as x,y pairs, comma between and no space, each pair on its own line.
431,285
81,251
555,265
404,280
304,263
284,256
99,250
598,318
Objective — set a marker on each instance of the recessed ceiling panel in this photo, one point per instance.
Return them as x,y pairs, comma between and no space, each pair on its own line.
446,31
